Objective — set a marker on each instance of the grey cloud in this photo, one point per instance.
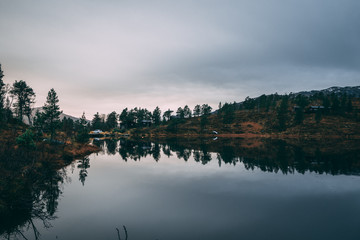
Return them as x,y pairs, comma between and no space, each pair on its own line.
136,52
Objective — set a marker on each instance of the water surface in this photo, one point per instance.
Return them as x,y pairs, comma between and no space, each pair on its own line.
206,191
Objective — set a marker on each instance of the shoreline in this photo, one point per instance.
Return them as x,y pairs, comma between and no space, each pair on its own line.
277,136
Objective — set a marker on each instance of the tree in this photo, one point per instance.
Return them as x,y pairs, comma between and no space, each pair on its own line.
349,106
282,113
249,103
7,113
302,101
123,117
52,113
228,113
2,96
187,112
167,114
180,113
197,110
96,122
83,122
25,97
203,122
111,121
39,123
68,126
26,140
81,126
142,114
343,103
335,107
131,117
318,116
299,115
205,109
326,104
156,116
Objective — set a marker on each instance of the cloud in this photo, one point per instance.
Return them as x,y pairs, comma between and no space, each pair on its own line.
134,52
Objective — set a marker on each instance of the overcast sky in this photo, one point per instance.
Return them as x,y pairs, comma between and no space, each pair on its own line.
104,55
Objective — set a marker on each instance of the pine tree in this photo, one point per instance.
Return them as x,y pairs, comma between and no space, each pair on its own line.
187,111
349,106
299,116
52,113
318,116
156,116
335,107
111,121
81,127
180,113
39,123
167,114
2,96
282,113
96,122
205,109
123,118
228,113
68,126
25,98
197,110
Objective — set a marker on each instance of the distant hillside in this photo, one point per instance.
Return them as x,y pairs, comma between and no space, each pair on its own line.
62,116
330,113
338,91
350,91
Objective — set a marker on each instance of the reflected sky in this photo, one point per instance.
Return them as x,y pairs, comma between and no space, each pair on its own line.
177,199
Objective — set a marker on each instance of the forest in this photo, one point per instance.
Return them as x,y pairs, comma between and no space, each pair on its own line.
274,112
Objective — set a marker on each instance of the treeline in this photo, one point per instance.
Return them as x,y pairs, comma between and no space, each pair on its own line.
142,117
16,102
333,103
290,109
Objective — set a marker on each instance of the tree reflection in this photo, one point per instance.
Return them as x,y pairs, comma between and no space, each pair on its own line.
111,145
83,165
98,142
29,198
156,152
166,150
196,155
137,150
269,156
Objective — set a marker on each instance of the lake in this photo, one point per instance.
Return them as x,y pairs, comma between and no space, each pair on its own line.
195,189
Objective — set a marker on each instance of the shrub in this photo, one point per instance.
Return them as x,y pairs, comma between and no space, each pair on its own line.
26,140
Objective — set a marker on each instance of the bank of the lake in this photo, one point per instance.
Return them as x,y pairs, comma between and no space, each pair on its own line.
41,150
252,124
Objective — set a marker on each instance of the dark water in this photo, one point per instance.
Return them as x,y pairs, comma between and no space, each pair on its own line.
192,190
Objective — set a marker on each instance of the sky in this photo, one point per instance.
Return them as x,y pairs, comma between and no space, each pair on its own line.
105,55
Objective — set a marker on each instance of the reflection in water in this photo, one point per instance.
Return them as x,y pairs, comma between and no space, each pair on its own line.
111,145
268,156
28,198
83,165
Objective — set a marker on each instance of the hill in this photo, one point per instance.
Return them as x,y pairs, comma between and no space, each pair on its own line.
328,113
40,109
350,91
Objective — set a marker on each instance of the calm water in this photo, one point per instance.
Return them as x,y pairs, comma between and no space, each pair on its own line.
173,191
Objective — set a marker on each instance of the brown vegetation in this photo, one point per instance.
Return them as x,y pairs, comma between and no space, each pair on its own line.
253,124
